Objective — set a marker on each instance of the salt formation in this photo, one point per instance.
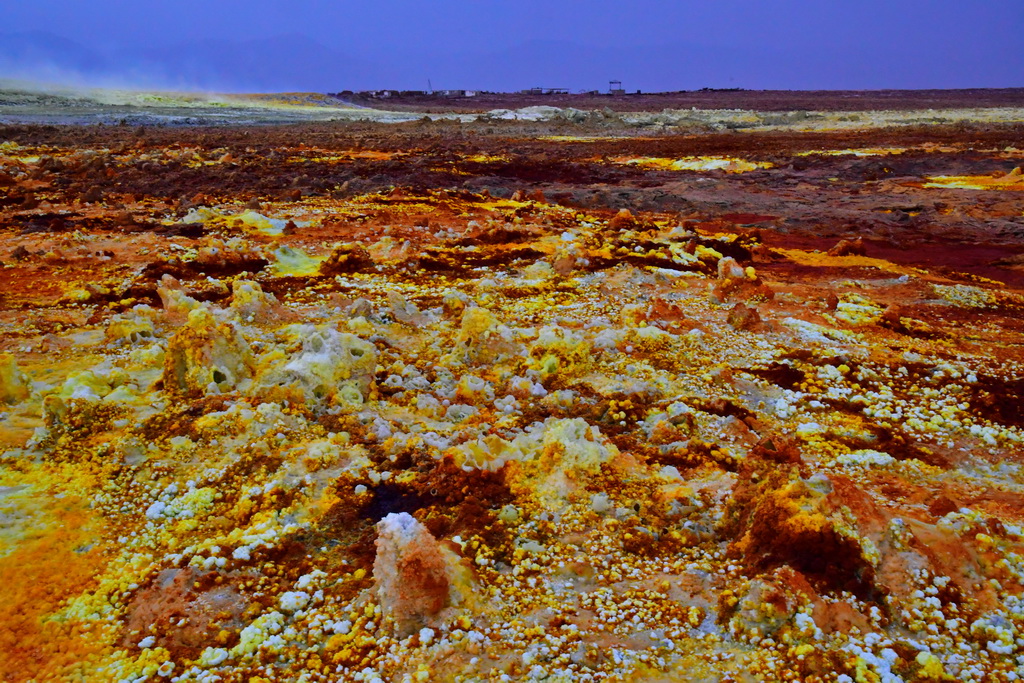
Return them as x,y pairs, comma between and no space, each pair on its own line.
336,367
206,356
404,311
417,578
216,254
292,262
130,329
858,310
14,385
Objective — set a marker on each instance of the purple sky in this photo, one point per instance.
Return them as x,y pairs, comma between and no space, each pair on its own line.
505,44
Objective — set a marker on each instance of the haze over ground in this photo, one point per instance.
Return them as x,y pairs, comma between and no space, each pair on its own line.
649,45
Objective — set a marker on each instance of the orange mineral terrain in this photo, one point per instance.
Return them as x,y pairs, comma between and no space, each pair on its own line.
505,399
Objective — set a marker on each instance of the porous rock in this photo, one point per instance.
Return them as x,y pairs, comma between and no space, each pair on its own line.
330,366
206,355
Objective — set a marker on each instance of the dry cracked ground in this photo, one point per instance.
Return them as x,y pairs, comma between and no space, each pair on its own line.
505,400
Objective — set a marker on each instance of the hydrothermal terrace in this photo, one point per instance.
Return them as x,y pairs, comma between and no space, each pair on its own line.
492,398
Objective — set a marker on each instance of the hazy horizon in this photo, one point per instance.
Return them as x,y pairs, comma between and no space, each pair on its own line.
262,46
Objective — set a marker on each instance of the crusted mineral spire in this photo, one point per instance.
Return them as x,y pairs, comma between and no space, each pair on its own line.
729,269
177,304
205,355
417,577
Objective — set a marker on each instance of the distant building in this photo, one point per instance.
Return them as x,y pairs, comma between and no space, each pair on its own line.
615,88
544,91
377,94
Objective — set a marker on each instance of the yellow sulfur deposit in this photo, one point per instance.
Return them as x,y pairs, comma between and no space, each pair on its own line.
727,164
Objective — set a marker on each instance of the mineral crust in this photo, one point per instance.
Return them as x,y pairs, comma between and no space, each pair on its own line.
527,395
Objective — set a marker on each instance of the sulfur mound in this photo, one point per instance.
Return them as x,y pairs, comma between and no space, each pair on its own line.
346,258
550,459
14,386
331,366
482,339
560,350
252,304
206,356
825,528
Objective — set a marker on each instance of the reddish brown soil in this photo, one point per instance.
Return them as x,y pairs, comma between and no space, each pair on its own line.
807,202
761,100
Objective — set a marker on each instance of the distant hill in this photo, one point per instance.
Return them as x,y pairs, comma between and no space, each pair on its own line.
275,64
272,64
43,56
